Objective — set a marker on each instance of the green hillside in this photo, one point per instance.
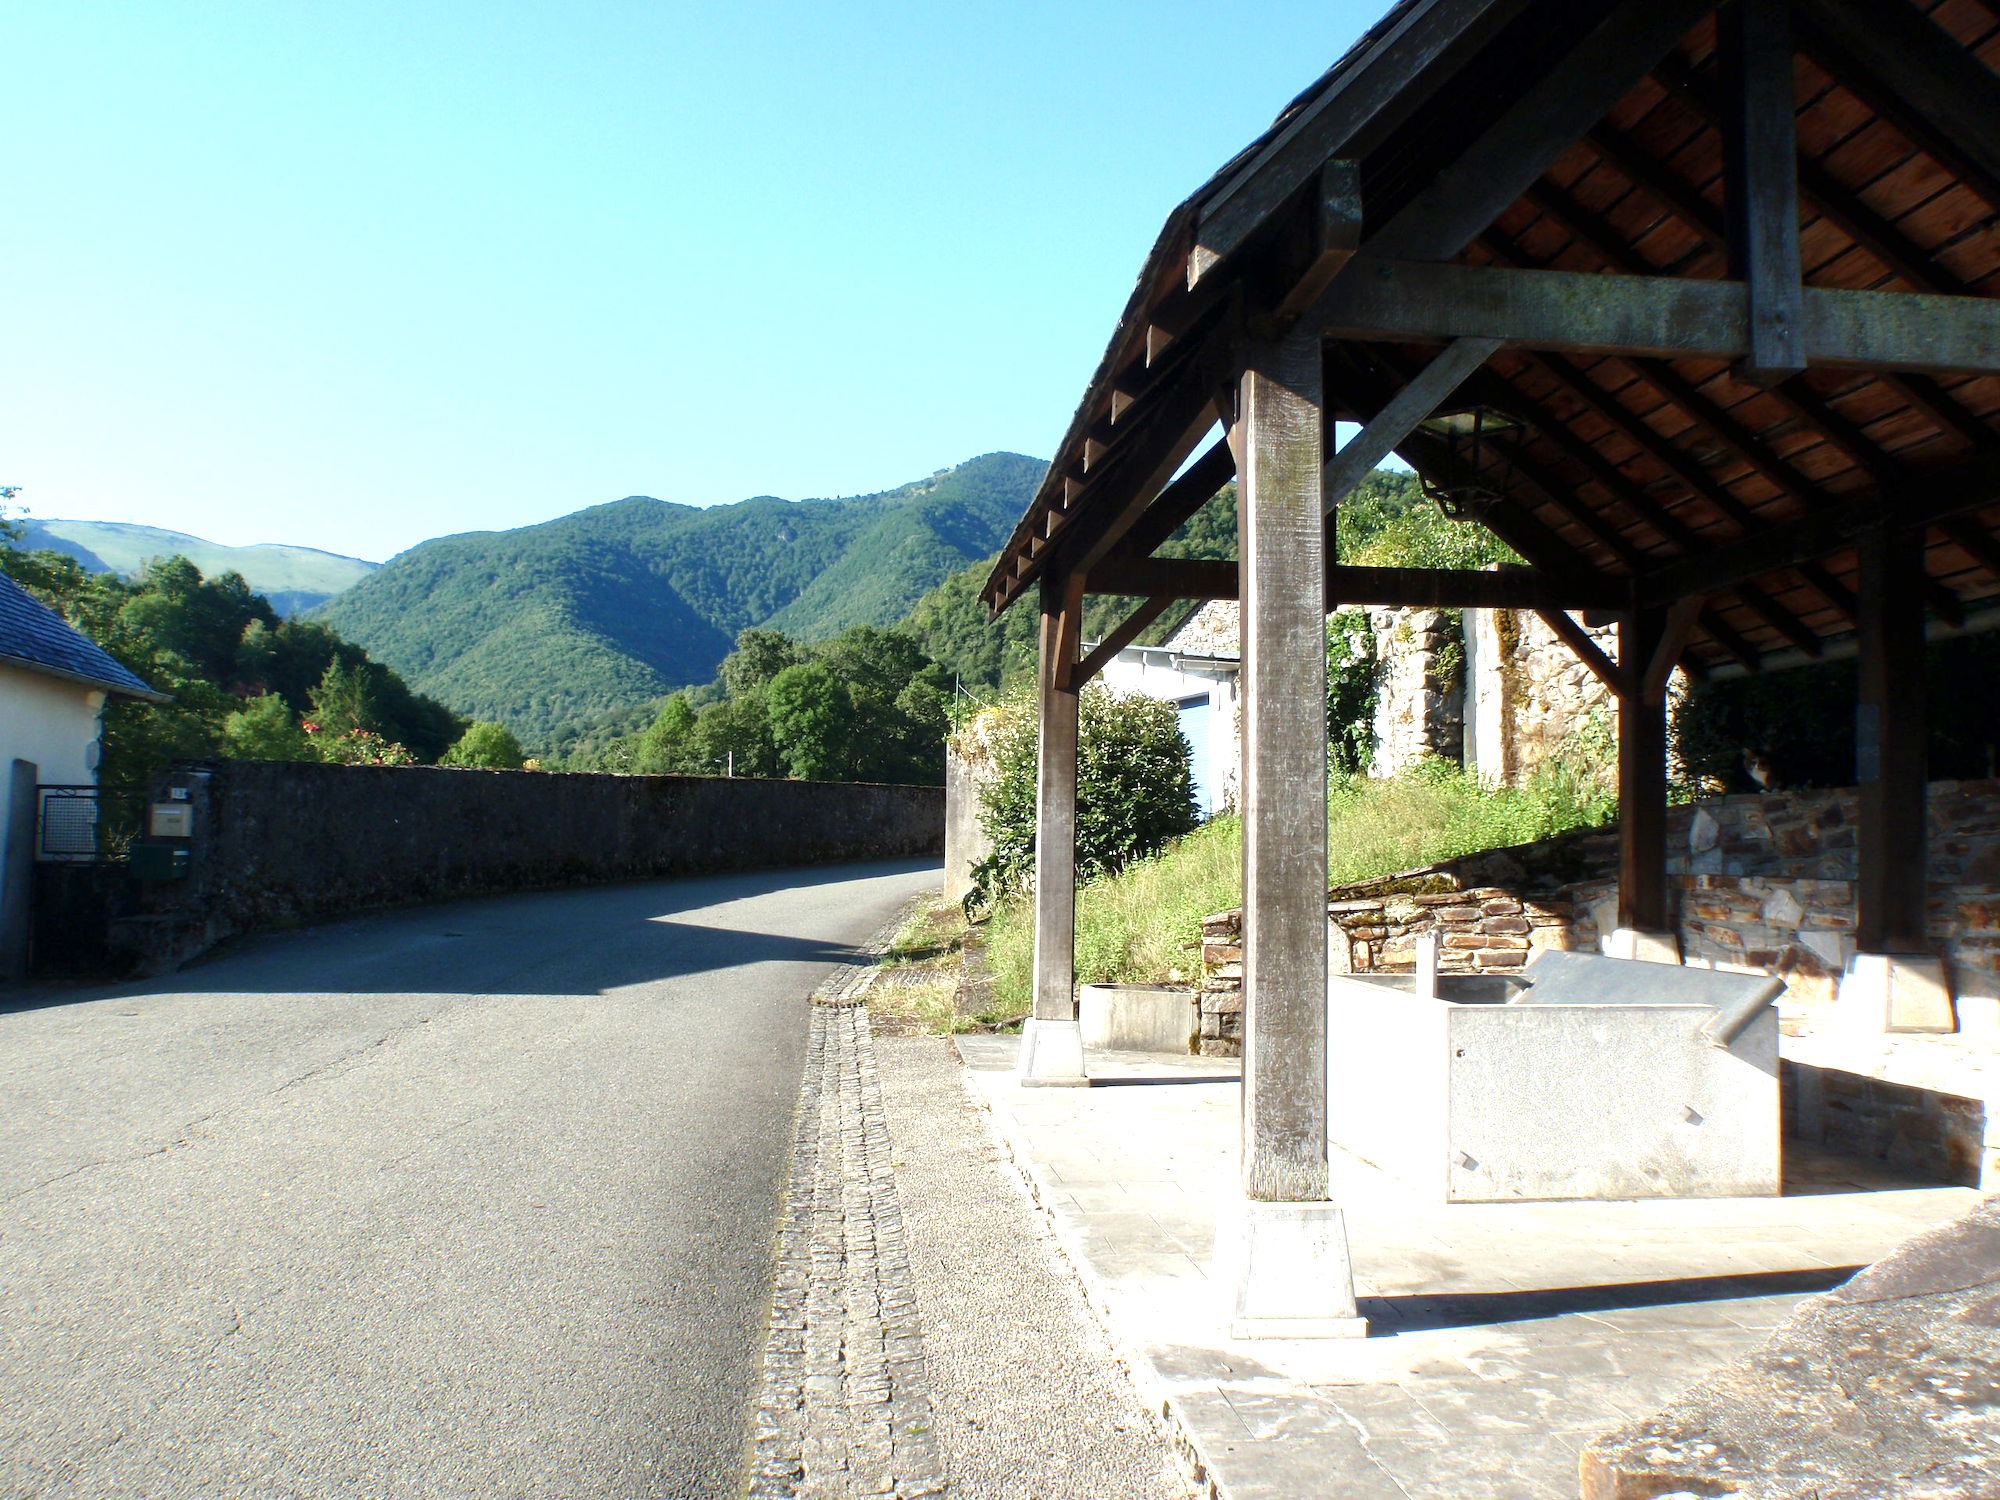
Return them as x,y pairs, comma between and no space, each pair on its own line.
547,626
292,578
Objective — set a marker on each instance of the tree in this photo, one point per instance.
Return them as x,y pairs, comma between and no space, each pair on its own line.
667,746
759,656
1135,786
345,699
264,729
735,736
486,746
813,723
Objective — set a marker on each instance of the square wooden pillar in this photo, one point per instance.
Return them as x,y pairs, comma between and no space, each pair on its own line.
1894,982
1890,754
1283,1252
1052,1040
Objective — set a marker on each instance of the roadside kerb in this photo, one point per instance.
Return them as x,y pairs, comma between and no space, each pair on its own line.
845,1408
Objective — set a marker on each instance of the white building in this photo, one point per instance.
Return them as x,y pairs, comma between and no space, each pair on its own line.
1196,670
54,682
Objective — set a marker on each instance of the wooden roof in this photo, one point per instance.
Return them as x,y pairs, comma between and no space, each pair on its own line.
1592,136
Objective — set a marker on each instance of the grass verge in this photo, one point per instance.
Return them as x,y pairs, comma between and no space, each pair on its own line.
1143,925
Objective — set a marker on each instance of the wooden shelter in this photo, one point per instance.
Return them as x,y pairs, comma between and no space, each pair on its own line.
1692,305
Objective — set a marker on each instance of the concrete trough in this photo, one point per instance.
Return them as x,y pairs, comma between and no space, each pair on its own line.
1588,1077
1139,1018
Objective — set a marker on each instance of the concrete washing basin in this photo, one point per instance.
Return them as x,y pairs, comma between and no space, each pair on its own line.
1587,1077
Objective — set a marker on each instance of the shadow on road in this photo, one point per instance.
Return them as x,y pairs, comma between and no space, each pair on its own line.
581,941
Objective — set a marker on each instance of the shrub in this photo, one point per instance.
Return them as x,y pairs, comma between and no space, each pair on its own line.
264,729
1135,787
486,746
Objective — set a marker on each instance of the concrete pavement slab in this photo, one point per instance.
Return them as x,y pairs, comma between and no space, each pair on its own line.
1505,1335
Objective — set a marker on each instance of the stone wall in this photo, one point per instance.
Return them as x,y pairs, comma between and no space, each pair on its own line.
1760,882
1419,692
278,843
1526,692
965,842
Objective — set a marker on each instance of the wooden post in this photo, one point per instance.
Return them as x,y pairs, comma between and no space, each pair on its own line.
1889,748
1051,1042
1756,37
1278,440
1642,780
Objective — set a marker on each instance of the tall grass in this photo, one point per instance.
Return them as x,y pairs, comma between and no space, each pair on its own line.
1143,925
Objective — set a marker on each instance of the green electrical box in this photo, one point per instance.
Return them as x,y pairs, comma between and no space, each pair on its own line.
159,861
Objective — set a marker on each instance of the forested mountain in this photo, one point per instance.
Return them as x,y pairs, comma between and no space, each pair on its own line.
291,578
550,625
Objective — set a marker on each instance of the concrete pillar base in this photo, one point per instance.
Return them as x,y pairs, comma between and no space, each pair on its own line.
1286,1271
1886,993
1646,947
1051,1055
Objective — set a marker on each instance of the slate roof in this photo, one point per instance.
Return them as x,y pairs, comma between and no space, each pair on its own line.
36,638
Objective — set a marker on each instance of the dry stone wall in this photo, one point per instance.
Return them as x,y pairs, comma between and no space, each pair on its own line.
1760,882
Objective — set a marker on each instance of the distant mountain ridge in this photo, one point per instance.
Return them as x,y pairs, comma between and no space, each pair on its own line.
549,625
294,579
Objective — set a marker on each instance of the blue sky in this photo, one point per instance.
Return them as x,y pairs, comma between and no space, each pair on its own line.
353,275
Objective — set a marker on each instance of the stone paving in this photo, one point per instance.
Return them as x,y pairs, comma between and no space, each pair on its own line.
1504,1336
846,1409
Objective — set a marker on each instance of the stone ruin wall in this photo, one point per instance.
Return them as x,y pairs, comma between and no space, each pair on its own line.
1760,882
1526,693
1496,689
1419,693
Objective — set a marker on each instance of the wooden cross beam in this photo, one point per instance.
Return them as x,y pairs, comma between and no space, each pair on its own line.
1406,410
1651,316
1107,649
1163,578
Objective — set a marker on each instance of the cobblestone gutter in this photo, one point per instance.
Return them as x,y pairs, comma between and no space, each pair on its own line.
846,1408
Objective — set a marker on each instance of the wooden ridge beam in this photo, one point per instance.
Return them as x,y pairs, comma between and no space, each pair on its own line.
1651,316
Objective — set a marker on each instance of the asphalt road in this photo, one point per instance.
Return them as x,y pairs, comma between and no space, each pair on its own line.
475,1200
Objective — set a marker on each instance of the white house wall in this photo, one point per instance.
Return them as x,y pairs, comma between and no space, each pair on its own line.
52,724
1164,673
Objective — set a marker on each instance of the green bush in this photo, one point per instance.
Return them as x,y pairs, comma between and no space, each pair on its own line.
486,746
1135,788
1352,673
